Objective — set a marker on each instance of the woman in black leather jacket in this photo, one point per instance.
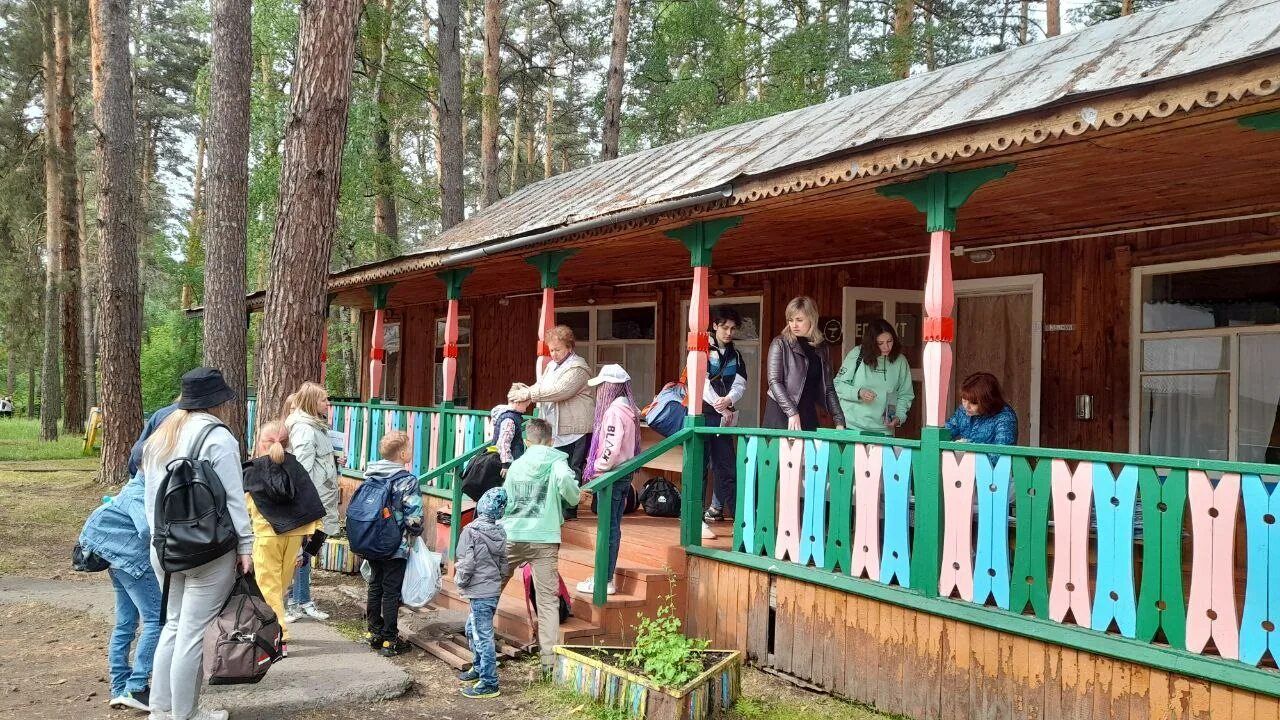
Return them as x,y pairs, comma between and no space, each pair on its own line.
800,373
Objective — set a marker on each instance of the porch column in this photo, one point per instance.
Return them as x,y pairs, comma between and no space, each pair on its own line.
377,350
699,238
937,195
548,265
452,280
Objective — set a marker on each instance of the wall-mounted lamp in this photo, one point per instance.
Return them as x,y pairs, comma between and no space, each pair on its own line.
981,256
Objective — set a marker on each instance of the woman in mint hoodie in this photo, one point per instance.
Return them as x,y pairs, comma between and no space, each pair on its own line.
874,382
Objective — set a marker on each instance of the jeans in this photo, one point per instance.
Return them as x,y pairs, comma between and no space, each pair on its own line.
195,598
136,599
480,634
723,458
619,504
382,608
301,592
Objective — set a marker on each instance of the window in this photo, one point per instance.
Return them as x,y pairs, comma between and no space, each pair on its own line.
462,382
747,340
391,363
1204,338
624,335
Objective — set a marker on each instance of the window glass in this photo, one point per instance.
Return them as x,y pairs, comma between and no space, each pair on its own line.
1186,416
1211,353
1259,399
391,363
634,323
1240,296
579,321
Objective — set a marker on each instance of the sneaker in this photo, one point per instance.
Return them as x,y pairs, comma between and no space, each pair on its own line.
589,586
284,650
203,714
393,648
479,692
374,641
313,612
138,700
292,614
713,514
707,532
160,715
470,676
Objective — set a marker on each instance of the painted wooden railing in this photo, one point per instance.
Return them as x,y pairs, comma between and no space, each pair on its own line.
1086,549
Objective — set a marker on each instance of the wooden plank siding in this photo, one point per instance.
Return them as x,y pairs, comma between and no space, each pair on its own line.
929,668
1086,285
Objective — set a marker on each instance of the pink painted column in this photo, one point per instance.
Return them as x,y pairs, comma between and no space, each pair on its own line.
1069,587
1211,605
699,343
939,329
450,369
546,321
377,353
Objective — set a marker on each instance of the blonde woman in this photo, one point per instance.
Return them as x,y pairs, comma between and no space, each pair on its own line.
195,595
308,425
800,373
284,508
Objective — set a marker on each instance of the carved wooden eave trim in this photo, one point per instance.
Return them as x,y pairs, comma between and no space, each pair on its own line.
1230,91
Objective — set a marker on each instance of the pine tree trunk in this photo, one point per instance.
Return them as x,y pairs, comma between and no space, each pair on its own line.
1024,22
903,13
227,201
450,127
1053,18
548,122
386,224
12,367
930,42
31,386
516,139
88,304
118,213
49,400
293,321
489,108
1126,8
617,70
73,407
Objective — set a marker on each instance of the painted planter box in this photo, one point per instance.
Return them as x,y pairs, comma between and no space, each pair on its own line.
579,669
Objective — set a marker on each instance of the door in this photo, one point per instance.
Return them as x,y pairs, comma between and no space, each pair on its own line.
905,310
998,331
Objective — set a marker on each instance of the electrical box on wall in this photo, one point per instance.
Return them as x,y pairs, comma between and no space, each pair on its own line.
1084,407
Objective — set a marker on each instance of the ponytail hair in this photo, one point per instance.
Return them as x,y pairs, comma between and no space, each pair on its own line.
272,438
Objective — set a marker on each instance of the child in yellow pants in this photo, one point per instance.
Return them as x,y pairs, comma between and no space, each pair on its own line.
286,511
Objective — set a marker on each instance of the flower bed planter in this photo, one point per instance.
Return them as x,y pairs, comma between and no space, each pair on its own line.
589,671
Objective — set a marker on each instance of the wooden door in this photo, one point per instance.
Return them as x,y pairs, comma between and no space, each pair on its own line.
992,332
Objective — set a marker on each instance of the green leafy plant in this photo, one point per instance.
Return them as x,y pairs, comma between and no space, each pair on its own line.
663,652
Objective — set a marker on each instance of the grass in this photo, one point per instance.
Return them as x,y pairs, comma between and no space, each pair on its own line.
20,440
43,509
763,698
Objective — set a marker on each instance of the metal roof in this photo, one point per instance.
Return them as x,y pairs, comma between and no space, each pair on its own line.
1179,39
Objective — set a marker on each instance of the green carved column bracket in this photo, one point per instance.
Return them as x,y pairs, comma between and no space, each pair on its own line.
379,293
1264,122
939,195
548,265
452,280
700,237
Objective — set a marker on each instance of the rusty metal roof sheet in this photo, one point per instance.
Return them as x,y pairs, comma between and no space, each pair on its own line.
1176,40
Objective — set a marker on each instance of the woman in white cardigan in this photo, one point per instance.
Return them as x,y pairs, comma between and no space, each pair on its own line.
308,424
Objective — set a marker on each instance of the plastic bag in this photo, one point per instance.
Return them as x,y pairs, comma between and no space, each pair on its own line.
366,572
422,578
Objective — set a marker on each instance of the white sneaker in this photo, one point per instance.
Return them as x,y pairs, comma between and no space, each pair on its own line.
292,615
589,586
707,532
128,700
160,715
313,612
202,714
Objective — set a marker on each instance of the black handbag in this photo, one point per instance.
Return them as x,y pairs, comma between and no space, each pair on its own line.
87,560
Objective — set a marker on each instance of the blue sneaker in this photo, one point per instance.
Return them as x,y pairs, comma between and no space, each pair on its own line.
470,677
476,691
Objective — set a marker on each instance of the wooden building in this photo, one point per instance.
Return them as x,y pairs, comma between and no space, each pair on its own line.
1094,218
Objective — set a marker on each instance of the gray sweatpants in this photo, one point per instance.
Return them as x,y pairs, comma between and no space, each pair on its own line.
195,597
544,558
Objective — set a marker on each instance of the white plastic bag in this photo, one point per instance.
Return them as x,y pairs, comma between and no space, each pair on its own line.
366,572
422,578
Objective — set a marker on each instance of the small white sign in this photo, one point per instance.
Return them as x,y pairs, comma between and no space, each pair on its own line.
1059,328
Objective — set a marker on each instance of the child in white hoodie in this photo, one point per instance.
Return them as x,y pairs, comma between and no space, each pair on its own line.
615,439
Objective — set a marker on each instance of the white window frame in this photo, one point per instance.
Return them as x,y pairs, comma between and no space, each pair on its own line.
1137,336
587,349
437,368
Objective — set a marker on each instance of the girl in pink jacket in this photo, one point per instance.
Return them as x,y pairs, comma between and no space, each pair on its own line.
615,440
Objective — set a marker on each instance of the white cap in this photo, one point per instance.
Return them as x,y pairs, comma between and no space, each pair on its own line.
611,373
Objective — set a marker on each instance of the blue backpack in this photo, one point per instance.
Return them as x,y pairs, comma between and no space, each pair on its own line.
372,529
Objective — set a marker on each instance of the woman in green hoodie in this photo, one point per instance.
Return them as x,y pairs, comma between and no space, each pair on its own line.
874,382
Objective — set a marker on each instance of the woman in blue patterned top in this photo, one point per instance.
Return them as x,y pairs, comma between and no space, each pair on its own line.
983,416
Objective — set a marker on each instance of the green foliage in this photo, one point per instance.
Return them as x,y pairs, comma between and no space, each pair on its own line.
662,652
170,349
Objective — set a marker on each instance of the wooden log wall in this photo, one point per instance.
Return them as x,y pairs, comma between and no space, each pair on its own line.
1086,285
932,668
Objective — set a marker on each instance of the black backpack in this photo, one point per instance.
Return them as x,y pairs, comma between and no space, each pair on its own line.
631,505
660,498
192,525
482,473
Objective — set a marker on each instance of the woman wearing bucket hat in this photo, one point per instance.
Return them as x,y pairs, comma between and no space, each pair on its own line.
614,440
195,595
